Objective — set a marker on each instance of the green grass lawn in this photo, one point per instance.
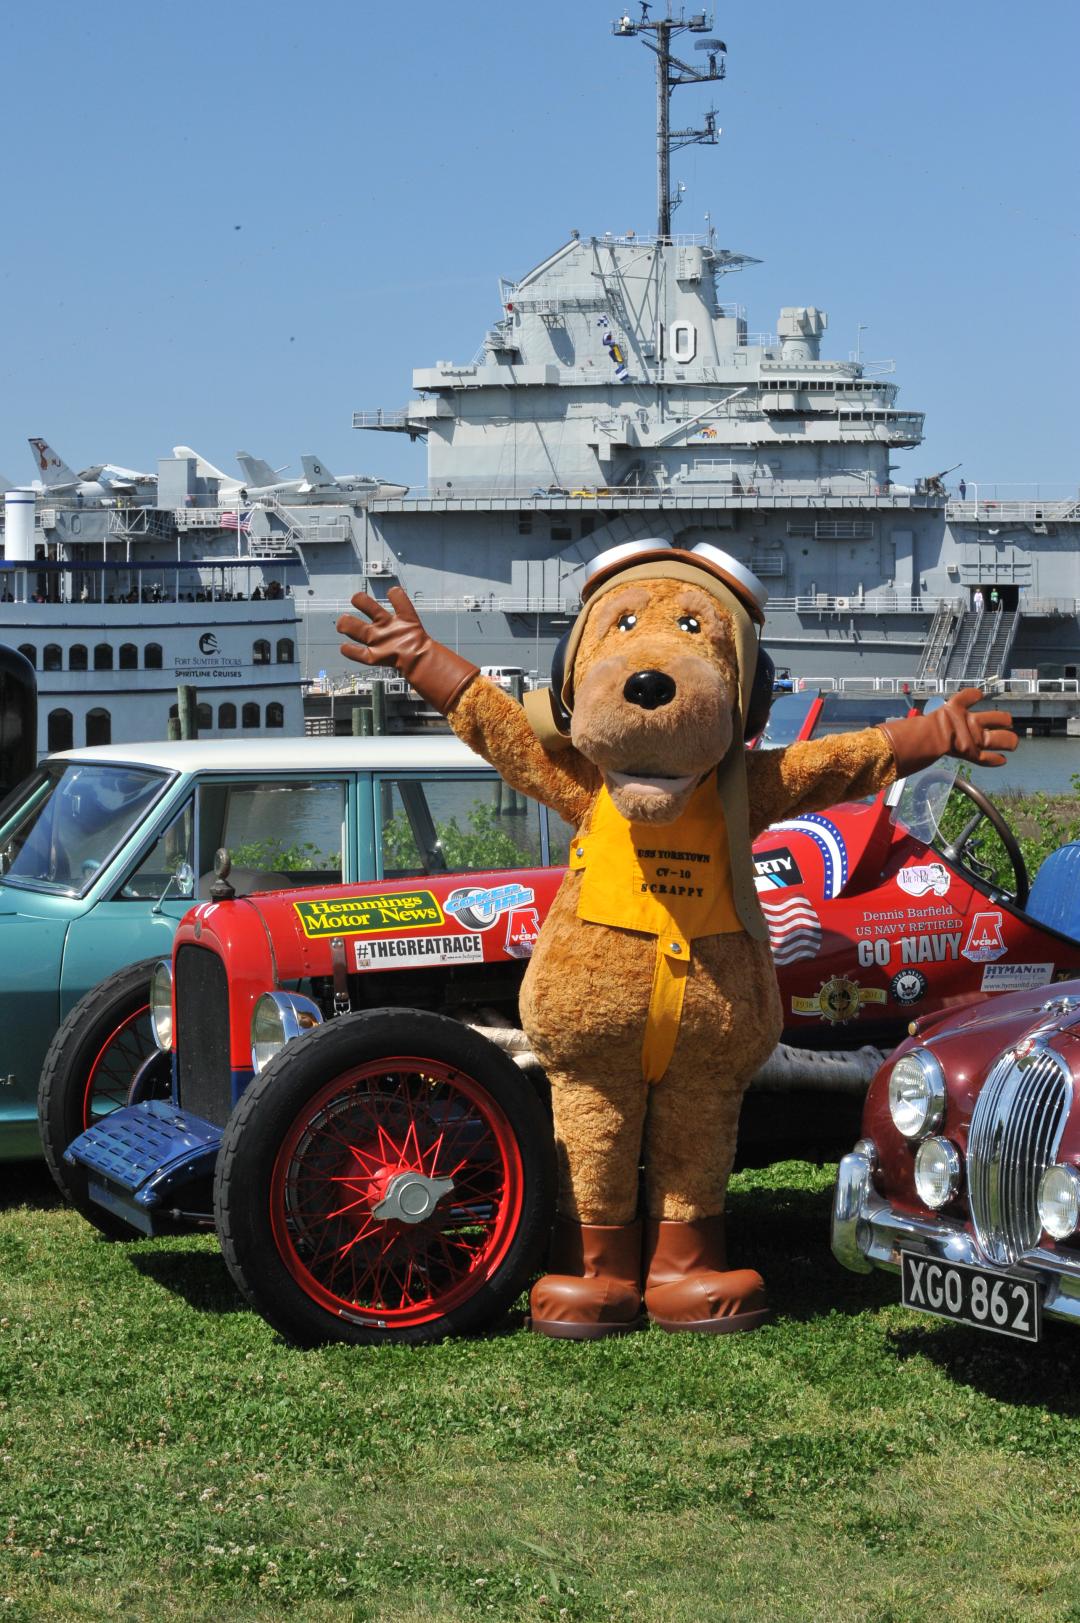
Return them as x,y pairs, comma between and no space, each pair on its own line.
164,1455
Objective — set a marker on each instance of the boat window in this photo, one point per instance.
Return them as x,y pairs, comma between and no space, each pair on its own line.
77,657
204,718
28,651
53,659
60,731
152,656
74,822
250,716
290,832
226,716
275,715
129,657
286,653
260,654
450,825
103,657
98,727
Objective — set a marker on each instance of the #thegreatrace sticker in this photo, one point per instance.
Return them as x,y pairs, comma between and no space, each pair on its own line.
839,1000
401,952
358,915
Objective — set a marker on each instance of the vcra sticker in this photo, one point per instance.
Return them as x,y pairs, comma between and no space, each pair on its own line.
984,941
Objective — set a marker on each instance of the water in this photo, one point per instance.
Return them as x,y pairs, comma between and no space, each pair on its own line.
1038,763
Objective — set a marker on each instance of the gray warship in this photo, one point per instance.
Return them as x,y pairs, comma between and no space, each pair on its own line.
617,395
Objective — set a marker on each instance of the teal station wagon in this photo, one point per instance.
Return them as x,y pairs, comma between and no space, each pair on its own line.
103,851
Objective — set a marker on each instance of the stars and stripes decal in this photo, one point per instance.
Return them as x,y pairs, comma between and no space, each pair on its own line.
829,841
794,929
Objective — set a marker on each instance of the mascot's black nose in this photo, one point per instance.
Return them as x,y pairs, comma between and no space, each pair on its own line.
649,689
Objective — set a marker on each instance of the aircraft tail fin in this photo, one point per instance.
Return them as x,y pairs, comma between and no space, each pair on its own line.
315,471
204,469
256,471
54,470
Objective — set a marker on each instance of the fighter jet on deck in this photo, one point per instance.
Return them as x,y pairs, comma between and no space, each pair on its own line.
104,482
317,485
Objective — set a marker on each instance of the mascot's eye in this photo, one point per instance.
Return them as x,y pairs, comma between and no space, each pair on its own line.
627,622
688,623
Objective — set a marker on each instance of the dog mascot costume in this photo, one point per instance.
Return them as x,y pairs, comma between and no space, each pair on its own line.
651,997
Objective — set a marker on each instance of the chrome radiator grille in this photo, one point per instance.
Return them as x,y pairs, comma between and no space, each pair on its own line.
1015,1131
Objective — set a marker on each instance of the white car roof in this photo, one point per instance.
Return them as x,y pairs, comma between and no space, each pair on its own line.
435,752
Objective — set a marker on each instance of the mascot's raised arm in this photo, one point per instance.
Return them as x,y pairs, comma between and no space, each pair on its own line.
651,997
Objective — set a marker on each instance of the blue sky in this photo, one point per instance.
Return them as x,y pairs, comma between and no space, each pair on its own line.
909,167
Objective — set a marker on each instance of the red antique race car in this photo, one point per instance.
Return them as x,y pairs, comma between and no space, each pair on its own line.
344,1069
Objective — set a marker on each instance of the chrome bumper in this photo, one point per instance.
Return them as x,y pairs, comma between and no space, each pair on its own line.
867,1234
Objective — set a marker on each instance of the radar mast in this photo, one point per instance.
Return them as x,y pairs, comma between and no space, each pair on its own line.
670,73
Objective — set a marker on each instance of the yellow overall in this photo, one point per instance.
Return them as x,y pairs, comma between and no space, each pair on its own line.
670,880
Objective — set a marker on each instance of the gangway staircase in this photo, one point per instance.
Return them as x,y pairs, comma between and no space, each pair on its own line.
981,646
940,641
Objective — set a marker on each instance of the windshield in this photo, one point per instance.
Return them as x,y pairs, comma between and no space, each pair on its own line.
918,802
787,717
69,820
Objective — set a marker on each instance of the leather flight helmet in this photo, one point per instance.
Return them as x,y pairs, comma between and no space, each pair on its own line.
703,565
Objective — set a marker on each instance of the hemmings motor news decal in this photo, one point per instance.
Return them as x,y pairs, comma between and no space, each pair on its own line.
356,915
1016,977
401,951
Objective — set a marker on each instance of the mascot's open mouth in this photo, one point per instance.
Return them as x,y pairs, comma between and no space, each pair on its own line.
650,783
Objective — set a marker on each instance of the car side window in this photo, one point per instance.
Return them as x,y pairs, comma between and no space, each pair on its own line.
453,825
168,866
278,833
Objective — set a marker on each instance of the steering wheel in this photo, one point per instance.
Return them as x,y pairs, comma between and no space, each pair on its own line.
985,811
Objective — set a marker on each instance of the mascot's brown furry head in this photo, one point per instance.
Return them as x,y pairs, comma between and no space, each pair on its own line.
658,671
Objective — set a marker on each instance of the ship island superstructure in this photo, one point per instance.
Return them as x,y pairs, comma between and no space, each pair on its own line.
619,394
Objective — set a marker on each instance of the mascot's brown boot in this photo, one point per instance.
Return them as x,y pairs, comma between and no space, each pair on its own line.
688,1285
597,1290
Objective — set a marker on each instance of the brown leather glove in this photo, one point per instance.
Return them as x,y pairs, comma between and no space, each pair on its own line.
955,729
438,674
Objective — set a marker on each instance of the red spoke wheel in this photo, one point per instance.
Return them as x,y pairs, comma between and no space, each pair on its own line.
92,1062
389,1176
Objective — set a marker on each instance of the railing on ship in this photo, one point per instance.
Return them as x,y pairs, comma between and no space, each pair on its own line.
816,603
922,687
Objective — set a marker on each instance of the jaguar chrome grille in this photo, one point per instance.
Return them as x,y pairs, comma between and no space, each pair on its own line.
1015,1130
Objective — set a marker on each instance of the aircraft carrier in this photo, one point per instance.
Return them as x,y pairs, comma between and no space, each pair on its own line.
617,394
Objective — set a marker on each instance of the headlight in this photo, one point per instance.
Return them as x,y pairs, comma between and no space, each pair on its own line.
277,1018
917,1093
937,1172
161,1006
1059,1201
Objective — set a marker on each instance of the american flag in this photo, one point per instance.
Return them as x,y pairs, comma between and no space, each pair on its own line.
236,519
794,929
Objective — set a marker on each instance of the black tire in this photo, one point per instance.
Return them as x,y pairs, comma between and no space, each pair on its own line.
90,1065
313,1147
